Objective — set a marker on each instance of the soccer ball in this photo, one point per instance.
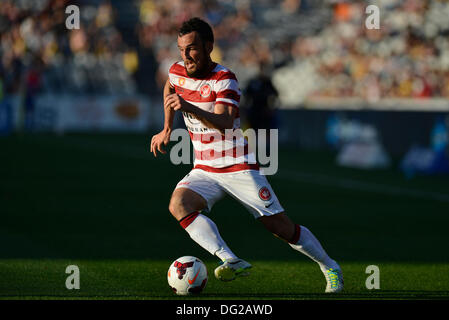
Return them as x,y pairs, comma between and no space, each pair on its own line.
187,275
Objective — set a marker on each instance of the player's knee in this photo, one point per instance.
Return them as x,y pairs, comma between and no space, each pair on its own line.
174,206
178,207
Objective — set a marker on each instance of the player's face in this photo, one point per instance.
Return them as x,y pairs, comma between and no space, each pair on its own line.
194,54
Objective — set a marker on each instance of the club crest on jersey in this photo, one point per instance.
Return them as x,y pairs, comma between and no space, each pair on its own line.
181,268
205,90
181,81
264,194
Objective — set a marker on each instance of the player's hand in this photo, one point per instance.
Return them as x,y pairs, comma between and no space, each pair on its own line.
162,138
175,102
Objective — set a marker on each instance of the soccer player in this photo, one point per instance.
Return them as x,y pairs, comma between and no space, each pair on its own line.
208,96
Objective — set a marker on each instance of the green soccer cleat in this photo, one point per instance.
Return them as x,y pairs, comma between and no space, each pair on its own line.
232,269
334,278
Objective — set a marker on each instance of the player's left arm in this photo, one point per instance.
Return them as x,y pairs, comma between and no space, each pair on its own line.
222,118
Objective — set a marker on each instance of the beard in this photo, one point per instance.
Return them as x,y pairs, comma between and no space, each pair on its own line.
198,72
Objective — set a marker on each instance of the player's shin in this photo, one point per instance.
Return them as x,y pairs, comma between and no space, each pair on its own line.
305,242
205,232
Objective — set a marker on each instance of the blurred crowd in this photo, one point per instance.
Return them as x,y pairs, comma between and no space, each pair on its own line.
38,51
408,57
311,48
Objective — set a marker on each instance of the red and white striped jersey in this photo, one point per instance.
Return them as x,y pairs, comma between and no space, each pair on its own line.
213,151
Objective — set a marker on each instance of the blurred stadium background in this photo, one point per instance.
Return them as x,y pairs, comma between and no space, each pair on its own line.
313,55
363,118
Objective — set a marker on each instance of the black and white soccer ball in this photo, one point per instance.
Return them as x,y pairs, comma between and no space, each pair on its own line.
187,275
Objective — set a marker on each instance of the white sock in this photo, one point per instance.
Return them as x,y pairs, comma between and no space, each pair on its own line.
311,247
205,232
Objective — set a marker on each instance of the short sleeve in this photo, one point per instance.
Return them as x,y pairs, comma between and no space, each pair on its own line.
227,90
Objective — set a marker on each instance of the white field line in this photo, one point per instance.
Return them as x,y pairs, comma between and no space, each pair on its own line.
351,184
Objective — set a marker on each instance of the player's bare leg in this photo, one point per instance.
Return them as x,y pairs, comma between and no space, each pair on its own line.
301,239
185,206
279,225
185,201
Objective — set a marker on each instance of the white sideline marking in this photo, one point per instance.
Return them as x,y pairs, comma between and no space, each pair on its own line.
324,180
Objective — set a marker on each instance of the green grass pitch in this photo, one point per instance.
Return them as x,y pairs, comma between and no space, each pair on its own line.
101,202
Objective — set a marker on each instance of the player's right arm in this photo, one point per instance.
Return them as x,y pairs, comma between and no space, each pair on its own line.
163,137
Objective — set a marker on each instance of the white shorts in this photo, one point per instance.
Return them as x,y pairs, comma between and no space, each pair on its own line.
249,187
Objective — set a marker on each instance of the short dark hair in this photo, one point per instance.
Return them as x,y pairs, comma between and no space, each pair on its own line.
202,27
